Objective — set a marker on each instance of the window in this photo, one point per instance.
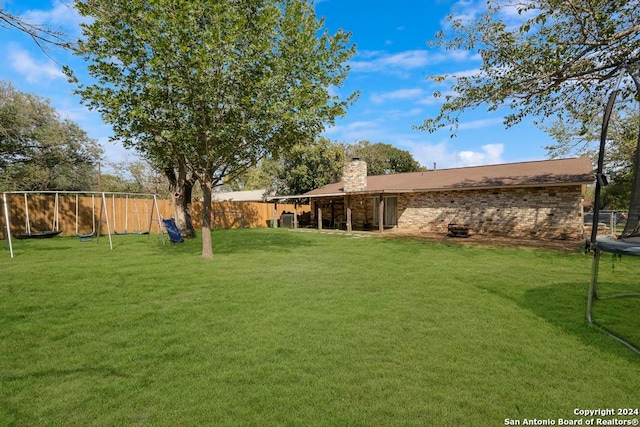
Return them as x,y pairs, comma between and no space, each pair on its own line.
390,211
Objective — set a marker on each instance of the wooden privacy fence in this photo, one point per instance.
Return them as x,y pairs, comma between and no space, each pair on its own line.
127,213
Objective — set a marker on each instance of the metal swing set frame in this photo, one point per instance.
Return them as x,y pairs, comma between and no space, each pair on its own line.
55,225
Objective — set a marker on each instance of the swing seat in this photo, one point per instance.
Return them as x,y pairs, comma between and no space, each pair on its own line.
86,237
39,234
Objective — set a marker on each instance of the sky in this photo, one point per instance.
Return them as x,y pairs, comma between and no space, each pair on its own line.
389,70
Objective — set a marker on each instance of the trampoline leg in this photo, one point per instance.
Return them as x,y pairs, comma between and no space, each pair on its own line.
593,285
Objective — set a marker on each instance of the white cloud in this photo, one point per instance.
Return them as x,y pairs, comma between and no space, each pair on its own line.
401,94
356,131
398,114
450,77
464,11
63,14
428,154
479,124
397,63
446,156
383,62
33,71
432,100
510,14
490,154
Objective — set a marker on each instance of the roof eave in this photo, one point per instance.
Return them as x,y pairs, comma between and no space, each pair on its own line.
428,190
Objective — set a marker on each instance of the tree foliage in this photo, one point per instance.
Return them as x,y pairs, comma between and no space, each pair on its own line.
383,158
310,166
583,138
209,88
263,175
556,58
135,177
39,150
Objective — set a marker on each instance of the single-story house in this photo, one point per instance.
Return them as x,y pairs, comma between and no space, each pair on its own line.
532,199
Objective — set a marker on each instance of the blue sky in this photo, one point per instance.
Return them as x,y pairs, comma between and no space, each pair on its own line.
389,69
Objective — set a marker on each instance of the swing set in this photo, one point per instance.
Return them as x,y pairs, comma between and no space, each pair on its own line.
30,232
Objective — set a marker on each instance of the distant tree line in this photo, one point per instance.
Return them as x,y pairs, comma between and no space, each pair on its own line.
310,165
39,150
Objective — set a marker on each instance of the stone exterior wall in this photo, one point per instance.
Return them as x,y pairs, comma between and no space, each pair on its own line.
554,211
354,176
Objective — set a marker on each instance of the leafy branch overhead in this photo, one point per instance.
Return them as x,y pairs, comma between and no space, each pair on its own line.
540,58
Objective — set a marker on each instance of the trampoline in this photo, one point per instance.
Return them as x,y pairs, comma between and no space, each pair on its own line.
628,243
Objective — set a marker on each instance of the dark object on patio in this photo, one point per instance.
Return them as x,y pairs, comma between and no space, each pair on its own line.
458,230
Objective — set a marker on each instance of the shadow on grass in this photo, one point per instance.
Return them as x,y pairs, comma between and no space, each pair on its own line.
235,241
58,373
55,244
564,306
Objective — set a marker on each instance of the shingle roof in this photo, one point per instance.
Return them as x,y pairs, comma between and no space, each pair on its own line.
525,174
241,196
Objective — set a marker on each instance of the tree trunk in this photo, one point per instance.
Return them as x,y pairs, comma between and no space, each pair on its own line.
207,247
181,188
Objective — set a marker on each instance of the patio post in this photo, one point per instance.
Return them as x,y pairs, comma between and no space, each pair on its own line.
348,214
274,218
381,214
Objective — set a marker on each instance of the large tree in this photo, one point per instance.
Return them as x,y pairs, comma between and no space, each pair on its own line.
209,88
310,166
556,58
383,158
39,150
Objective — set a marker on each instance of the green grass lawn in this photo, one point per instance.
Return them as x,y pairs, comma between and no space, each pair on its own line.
302,328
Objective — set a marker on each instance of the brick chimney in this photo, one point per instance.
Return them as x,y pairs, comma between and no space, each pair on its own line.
354,176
